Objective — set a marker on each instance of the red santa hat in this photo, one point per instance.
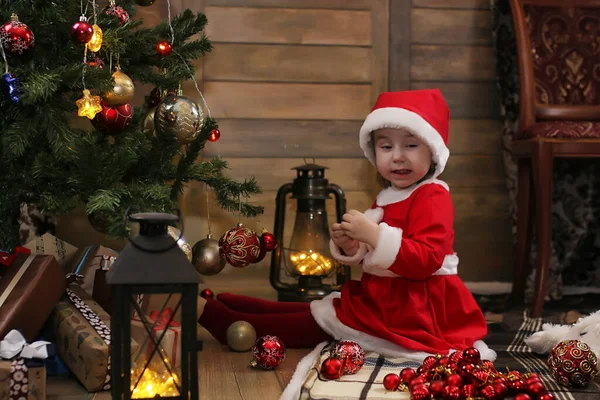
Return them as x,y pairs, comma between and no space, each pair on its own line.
423,112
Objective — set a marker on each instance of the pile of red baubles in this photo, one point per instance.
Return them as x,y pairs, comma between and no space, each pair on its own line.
463,375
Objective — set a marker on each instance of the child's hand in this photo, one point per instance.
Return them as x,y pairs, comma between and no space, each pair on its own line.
357,226
348,245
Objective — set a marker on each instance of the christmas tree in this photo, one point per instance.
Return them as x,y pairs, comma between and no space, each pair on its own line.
55,71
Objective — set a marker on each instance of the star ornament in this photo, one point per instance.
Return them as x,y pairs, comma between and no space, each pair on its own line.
88,105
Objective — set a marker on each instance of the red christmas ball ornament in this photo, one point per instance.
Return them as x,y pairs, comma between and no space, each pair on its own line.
82,31
481,376
546,396
96,63
471,355
454,380
468,391
499,379
332,368
456,357
268,241
522,396
532,379
420,392
429,362
268,352
113,120
487,364
517,385
119,12
391,382
451,393
352,354
466,370
407,375
443,361
536,389
573,363
501,390
487,392
164,48
239,246
436,388
214,135
207,294
415,382
16,37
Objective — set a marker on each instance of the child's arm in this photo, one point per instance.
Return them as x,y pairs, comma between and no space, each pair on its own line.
419,251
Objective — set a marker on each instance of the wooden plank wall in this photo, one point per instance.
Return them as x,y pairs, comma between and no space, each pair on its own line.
294,79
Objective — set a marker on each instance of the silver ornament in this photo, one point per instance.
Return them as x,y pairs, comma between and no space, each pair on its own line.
206,258
180,117
148,124
241,336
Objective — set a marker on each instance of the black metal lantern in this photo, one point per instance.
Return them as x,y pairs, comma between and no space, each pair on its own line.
152,263
305,270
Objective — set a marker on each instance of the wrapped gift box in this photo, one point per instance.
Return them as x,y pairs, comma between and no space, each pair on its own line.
82,331
22,379
171,341
86,262
49,244
29,289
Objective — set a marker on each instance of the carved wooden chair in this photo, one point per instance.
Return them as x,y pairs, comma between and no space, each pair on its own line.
558,50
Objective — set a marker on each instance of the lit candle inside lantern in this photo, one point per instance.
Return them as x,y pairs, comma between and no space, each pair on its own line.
153,384
310,263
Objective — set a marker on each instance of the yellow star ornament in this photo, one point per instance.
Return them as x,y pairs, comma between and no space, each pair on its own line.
88,105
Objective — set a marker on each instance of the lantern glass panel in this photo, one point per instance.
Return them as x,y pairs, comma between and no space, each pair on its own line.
308,252
155,367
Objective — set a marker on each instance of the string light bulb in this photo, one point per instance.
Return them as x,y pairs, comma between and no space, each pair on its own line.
88,105
95,42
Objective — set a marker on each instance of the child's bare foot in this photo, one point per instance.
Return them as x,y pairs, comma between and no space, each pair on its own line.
200,306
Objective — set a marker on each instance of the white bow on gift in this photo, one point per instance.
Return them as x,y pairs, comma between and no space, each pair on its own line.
14,344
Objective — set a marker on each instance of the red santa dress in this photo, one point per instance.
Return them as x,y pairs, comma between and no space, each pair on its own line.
410,301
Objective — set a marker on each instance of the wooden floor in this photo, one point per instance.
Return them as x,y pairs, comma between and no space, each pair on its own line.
224,374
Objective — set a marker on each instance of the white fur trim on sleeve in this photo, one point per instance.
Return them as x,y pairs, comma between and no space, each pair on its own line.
388,246
348,260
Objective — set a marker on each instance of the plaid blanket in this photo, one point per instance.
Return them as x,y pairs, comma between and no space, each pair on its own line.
506,337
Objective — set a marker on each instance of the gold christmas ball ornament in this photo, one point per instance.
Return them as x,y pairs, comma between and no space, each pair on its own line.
206,258
180,117
182,243
122,91
148,124
241,336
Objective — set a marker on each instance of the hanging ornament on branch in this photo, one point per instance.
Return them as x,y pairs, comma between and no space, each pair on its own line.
11,87
180,117
181,242
15,36
116,11
214,135
95,43
148,123
88,106
82,31
112,120
164,48
122,91
205,254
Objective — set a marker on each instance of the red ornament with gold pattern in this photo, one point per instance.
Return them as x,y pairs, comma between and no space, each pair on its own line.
573,363
239,246
15,36
118,12
268,352
113,120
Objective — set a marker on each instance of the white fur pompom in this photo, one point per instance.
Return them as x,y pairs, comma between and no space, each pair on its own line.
542,342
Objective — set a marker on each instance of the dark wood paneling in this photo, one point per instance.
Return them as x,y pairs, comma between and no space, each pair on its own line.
475,136
400,40
467,99
287,100
452,63
477,4
468,27
295,63
331,4
292,26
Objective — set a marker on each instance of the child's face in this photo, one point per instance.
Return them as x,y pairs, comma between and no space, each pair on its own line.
400,157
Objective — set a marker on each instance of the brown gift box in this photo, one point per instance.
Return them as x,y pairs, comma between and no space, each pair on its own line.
29,289
82,330
17,371
49,244
86,262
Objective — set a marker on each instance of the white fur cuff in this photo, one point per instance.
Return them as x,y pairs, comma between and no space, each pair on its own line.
388,246
348,260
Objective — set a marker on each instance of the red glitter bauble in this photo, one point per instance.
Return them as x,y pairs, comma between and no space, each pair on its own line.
429,362
456,357
420,392
113,120
16,37
239,246
451,393
487,392
573,363
268,352
469,391
332,368
352,354
118,12
407,375
391,382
